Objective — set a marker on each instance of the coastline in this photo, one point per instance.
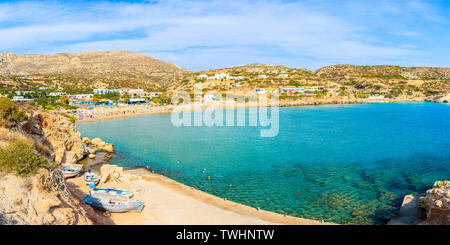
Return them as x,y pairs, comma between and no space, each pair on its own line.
242,214
296,103
220,105
168,202
221,203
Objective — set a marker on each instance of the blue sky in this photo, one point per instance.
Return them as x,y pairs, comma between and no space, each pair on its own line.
200,35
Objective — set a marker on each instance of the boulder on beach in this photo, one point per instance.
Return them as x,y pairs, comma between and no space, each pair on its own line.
114,176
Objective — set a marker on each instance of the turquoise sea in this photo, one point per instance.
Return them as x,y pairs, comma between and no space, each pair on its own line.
342,163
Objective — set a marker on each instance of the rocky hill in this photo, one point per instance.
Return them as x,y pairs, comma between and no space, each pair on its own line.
383,71
86,70
82,72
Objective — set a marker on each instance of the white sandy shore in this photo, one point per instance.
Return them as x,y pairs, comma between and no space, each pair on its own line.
168,202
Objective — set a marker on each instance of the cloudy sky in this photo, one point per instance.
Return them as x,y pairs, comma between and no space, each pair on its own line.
200,35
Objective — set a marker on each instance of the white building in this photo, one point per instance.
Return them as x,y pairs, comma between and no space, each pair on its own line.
81,96
202,76
44,88
262,76
283,75
253,70
21,99
56,94
106,91
24,92
220,76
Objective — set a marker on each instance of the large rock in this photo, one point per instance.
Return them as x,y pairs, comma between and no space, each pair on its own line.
37,201
114,176
99,145
410,212
55,137
437,204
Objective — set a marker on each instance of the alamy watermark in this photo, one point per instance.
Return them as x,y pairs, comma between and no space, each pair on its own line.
212,109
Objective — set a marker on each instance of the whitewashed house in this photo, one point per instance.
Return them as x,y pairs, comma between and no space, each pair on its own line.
202,76
56,94
21,99
262,76
221,76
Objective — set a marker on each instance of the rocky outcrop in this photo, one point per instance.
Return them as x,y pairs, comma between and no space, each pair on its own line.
97,144
410,212
437,204
37,201
55,137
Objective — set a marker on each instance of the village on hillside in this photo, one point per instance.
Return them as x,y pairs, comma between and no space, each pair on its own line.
293,87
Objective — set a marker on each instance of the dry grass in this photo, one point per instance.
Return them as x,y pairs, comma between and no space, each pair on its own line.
8,136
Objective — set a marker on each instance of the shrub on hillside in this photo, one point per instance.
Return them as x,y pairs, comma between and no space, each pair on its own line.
72,119
20,158
10,114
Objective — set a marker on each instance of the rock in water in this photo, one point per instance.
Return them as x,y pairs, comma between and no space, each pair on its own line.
437,204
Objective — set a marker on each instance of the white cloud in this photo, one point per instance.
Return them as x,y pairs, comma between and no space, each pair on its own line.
200,35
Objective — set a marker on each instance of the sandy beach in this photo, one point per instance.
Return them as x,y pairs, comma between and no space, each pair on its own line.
168,202
111,113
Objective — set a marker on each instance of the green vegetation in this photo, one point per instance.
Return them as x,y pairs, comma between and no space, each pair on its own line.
51,103
72,119
161,99
10,114
20,158
114,96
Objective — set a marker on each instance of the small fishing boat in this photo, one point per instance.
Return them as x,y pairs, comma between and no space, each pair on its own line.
91,178
114,206
71,170
109,193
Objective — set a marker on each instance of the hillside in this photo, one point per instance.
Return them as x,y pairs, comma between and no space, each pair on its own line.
67,71
392,81
382,71
82,72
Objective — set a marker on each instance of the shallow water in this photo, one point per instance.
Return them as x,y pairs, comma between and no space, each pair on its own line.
342,163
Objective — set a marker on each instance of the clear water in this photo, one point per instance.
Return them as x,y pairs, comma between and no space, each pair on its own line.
344,163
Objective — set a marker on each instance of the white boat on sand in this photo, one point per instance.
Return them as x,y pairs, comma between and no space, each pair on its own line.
71,170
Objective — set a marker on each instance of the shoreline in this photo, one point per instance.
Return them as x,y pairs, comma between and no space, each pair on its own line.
237,106
208,199
294,104
222,203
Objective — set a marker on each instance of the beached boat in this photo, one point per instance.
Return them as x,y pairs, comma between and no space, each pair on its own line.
71,170
114,206
91,178
109,193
